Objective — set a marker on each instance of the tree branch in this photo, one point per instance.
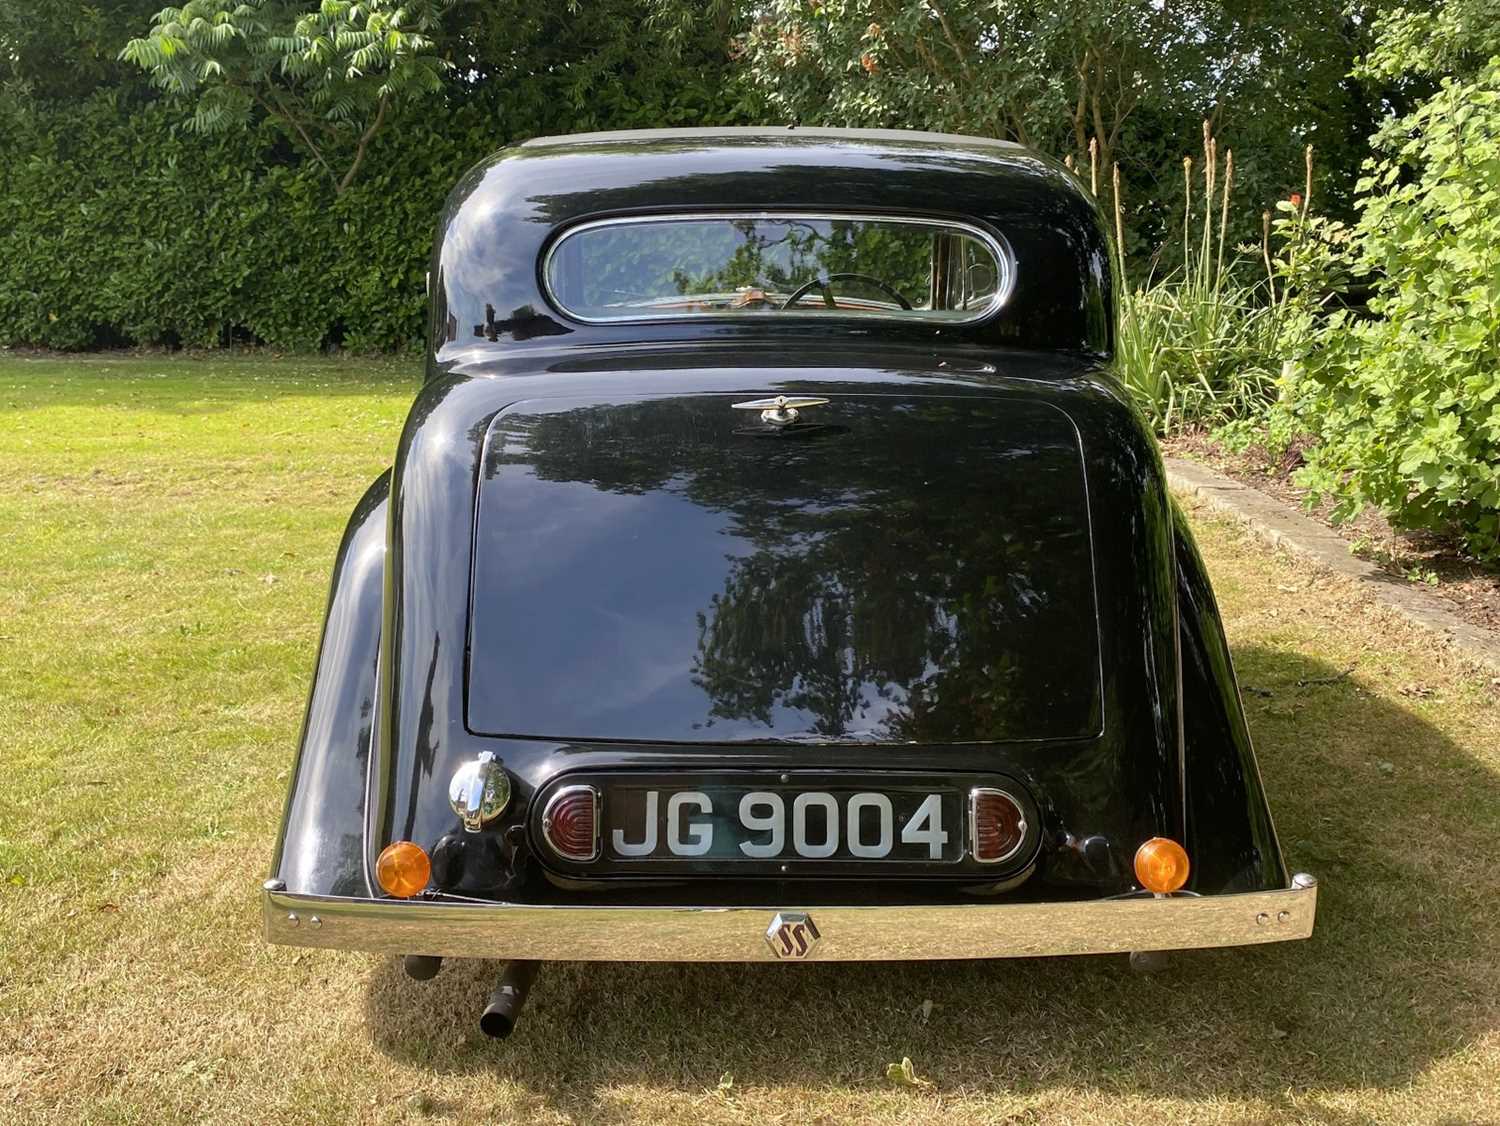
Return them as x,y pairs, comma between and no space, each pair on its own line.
938,69
1080,120
280,111
364,140
953,44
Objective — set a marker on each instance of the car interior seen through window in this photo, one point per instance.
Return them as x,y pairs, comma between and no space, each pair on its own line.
738,265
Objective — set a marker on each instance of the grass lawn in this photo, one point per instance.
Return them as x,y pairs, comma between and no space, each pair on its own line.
168,527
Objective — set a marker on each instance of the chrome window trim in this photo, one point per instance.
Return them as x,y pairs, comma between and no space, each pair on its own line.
469,929
974,795
997,244
557,796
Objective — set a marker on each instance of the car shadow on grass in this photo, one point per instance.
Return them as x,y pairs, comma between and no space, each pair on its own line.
1395,819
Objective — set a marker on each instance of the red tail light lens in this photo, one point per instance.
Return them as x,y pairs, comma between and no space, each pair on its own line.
997,825
570,823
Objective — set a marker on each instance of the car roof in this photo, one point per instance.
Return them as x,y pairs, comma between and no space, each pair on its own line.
774,135
508,210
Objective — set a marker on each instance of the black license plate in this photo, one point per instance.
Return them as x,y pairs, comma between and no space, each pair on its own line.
780,826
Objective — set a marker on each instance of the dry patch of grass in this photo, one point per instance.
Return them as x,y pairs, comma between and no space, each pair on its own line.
168,529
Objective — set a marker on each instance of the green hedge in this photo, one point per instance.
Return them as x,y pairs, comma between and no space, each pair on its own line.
118,227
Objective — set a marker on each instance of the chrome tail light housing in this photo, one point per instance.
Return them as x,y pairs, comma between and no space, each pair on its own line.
570,823
997,825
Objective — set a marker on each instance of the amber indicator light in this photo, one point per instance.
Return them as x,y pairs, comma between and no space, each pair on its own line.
1161,865
403,869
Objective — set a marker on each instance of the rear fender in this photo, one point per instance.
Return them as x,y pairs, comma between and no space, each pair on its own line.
1230,836
321,847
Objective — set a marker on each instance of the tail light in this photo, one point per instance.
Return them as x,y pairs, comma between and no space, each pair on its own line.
997,825
570,823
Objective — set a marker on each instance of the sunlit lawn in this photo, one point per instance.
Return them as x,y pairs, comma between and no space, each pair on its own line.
166,531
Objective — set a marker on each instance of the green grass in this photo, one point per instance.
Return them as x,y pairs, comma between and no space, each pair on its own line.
168,527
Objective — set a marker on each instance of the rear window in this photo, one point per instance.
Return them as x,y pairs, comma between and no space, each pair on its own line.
777,265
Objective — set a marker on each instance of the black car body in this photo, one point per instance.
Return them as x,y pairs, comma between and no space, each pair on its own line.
614,594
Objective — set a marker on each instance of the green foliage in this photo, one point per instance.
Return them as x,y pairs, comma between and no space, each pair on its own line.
328,74
1133,77
1195,354
65,49
1433,38
1199,346
122,226
127,231
1406,403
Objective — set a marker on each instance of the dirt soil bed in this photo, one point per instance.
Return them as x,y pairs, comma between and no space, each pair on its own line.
1421,558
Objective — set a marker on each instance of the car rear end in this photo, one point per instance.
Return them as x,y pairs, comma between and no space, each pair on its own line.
773,567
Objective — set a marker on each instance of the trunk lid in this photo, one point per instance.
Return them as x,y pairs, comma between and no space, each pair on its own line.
895,568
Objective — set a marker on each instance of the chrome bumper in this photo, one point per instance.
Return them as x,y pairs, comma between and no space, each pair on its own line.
738,934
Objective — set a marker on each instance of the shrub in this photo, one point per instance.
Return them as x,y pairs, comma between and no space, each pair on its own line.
1406,403
1198,347
120,225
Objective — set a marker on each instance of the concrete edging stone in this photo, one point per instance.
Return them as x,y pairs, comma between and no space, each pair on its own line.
1271,521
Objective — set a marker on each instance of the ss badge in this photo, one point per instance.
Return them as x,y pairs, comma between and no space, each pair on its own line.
792,934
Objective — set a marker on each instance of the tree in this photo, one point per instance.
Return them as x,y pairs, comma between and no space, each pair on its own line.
333,73
1428,40
57,49
328,75
1045,74
1134,78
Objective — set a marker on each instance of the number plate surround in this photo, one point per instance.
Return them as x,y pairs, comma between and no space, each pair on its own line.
624,804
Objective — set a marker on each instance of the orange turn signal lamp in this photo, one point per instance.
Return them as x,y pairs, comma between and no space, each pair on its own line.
403,869
1161,865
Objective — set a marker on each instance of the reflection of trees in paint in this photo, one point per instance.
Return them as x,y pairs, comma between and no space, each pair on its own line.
871,606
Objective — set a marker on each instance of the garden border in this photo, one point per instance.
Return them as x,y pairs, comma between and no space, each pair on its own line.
1272,522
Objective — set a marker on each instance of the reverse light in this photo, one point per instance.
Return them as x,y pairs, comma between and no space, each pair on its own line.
403,869
1161,865
570,823
997,825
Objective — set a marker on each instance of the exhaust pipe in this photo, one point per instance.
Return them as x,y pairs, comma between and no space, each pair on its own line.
505,1004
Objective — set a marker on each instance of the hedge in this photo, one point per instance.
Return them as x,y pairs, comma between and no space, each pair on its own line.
118,227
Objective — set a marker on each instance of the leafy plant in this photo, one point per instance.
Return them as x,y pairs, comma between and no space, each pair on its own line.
1199,346
1130,78
328,75
1406,402
119,226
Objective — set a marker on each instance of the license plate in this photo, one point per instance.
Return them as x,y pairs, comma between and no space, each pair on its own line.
779,825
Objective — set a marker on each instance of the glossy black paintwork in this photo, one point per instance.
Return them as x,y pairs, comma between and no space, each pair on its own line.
1159,747
488,301
1125,785
893,568
321,846
1230,834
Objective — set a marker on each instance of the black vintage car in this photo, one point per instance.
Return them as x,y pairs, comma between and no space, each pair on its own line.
773,566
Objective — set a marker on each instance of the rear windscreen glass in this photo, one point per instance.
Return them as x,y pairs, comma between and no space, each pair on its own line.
766,265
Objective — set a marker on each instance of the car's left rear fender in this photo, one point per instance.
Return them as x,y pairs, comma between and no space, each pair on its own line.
321,846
